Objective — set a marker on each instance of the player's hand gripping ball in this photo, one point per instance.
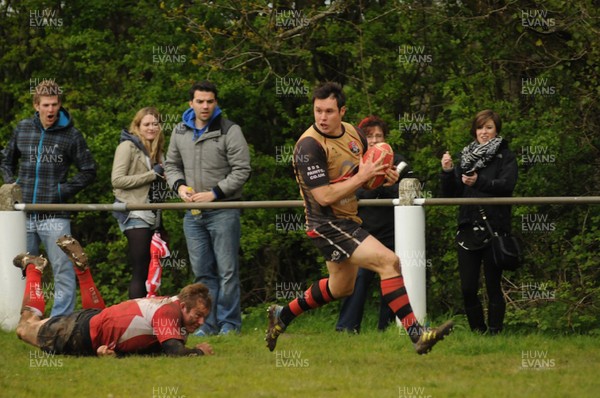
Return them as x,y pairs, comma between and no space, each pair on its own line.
378,150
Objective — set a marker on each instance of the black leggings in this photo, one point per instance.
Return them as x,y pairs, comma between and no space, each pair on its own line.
139,240
469,266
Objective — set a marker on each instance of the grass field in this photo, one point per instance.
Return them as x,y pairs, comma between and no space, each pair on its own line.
313,360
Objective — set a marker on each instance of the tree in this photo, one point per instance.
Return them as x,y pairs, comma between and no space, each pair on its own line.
426,67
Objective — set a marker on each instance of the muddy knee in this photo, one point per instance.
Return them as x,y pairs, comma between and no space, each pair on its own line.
21,331
28,327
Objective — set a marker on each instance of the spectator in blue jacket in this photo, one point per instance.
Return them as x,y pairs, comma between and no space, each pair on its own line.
43,149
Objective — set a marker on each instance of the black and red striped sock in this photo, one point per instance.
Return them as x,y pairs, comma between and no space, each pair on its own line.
315,296
395,296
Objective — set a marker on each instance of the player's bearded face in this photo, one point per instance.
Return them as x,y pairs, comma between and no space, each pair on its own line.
194,317
328,117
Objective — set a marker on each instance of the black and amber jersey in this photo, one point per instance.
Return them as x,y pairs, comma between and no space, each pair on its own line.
320,160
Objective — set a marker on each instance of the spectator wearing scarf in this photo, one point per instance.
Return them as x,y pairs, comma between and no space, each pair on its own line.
487,168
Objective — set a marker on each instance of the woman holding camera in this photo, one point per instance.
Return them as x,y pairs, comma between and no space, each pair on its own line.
486,168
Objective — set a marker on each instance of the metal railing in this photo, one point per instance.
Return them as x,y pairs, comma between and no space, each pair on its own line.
560,200
409,224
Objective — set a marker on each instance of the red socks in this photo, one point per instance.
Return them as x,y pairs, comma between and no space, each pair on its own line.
34,295
33,298
90,295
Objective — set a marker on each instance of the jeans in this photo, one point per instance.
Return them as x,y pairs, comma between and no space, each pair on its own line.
353,306
213,241
47,229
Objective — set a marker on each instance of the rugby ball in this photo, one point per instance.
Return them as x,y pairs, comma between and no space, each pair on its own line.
378,150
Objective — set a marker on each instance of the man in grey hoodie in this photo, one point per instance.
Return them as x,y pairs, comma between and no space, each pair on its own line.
208,160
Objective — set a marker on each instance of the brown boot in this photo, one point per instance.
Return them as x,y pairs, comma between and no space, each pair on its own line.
24,259
74,251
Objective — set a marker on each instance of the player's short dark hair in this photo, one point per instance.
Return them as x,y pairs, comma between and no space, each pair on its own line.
191,294
373,121
483,117
204,85
329,89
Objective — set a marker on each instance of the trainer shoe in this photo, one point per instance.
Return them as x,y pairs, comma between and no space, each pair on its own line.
430,337
74,251
276,327
24,259
200,333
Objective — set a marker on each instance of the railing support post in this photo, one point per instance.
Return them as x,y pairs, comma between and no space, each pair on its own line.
13,240
409,229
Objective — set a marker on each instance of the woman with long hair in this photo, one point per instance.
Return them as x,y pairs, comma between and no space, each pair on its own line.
137,174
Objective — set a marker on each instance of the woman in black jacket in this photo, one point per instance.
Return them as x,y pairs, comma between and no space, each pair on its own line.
487,168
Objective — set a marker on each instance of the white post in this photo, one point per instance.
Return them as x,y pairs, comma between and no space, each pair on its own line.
409,229
13,240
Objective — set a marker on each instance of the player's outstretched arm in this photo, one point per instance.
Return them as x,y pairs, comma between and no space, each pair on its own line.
176,348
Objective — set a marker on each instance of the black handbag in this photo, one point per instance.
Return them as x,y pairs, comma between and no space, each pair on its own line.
506,249
473,236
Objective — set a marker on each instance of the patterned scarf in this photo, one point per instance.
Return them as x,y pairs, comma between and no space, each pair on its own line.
476,156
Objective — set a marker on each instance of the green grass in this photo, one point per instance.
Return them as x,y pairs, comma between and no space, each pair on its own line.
314,360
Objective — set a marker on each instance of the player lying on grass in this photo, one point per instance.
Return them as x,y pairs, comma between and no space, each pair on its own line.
139,326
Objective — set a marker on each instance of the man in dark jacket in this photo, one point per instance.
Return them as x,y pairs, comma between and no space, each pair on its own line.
379,221
43,149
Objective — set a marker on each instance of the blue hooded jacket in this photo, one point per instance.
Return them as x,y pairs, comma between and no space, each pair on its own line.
189,118
216,158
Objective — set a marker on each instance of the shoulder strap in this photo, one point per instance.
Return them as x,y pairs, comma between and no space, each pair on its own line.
487,223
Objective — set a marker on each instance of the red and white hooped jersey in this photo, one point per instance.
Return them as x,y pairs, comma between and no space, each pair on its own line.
138,325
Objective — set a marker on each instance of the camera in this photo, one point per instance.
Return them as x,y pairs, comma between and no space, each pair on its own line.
469,173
